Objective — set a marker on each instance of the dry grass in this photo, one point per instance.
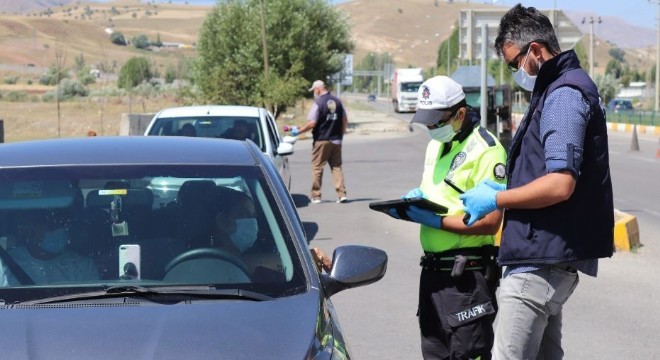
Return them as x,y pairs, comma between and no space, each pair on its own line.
38,120
411,30
33,39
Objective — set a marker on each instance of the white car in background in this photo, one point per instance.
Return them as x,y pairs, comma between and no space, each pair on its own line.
224,121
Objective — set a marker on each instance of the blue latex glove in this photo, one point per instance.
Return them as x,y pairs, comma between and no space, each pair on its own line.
479,201
416,192
294,131
494,185
424,217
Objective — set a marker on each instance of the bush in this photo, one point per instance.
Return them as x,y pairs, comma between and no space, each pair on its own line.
85,76
50,78
141,42
68,89
17,96
11,80
118,38
170,74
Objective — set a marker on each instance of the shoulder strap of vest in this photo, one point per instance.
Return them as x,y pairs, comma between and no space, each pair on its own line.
488,138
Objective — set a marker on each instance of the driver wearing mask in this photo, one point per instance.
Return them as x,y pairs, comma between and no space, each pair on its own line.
43,252
235,225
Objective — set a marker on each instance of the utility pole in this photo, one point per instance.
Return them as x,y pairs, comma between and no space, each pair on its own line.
657,56
591,43
263,37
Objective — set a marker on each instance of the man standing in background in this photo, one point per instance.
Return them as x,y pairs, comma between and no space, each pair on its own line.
328,121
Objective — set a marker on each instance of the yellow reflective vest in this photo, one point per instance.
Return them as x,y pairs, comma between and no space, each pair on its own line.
478,157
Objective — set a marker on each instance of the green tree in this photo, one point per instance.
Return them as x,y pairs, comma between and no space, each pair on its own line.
79,62
118,38
652,74
607,86
617,54
306,40
280,91
614,68
136,71
581,53
449,47
140,42
371,62
157,43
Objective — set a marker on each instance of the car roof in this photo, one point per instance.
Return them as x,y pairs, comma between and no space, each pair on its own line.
129,150
210,110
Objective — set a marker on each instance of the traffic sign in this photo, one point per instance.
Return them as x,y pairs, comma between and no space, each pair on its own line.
471,20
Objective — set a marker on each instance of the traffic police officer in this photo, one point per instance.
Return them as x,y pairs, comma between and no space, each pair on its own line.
459,275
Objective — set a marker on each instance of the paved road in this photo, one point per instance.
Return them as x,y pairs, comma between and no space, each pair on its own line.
611,317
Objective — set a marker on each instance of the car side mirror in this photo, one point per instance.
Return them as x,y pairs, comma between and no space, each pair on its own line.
285,149
354,266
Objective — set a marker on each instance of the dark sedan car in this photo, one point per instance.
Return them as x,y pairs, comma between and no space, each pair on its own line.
95,264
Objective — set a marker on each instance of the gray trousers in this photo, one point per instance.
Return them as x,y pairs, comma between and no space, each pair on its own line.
529,320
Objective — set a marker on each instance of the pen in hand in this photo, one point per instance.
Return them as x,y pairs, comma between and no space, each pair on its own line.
451,184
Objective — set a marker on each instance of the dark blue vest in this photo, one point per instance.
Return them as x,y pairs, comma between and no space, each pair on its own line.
329,123
581,227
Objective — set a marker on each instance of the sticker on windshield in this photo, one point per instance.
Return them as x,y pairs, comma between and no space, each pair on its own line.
113,192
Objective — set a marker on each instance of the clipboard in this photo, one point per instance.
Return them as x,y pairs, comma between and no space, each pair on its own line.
400,205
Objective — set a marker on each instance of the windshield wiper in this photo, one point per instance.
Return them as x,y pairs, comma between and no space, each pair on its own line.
161,294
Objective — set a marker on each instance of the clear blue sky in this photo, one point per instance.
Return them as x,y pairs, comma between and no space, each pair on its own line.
635,12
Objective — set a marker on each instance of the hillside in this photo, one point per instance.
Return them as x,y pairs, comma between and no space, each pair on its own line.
410,30
80,28
23,6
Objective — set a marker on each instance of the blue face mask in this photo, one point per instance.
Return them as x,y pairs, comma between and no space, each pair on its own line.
55,241
245,234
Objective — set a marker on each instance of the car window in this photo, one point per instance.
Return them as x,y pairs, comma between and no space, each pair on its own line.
68,229
228,127
272,131
617,104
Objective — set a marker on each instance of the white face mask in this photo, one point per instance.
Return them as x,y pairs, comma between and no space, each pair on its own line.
245,234
443,134
523,79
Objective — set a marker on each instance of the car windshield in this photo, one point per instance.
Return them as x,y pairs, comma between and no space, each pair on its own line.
620,104
227,127
410,87
65,230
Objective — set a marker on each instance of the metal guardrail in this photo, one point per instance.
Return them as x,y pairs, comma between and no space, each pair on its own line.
638,117
634,117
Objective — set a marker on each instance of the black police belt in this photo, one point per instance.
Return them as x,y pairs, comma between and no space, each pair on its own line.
456,261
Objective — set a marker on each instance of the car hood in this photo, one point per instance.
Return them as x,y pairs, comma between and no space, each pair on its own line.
278,329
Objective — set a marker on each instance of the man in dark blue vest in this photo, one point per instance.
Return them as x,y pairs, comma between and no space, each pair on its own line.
559,215
328,121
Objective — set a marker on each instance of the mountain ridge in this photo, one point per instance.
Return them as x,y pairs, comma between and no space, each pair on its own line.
612,29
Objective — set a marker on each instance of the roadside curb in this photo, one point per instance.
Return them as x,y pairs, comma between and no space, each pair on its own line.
642,129
626,231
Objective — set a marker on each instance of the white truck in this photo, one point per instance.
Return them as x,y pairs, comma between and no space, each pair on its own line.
405,83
